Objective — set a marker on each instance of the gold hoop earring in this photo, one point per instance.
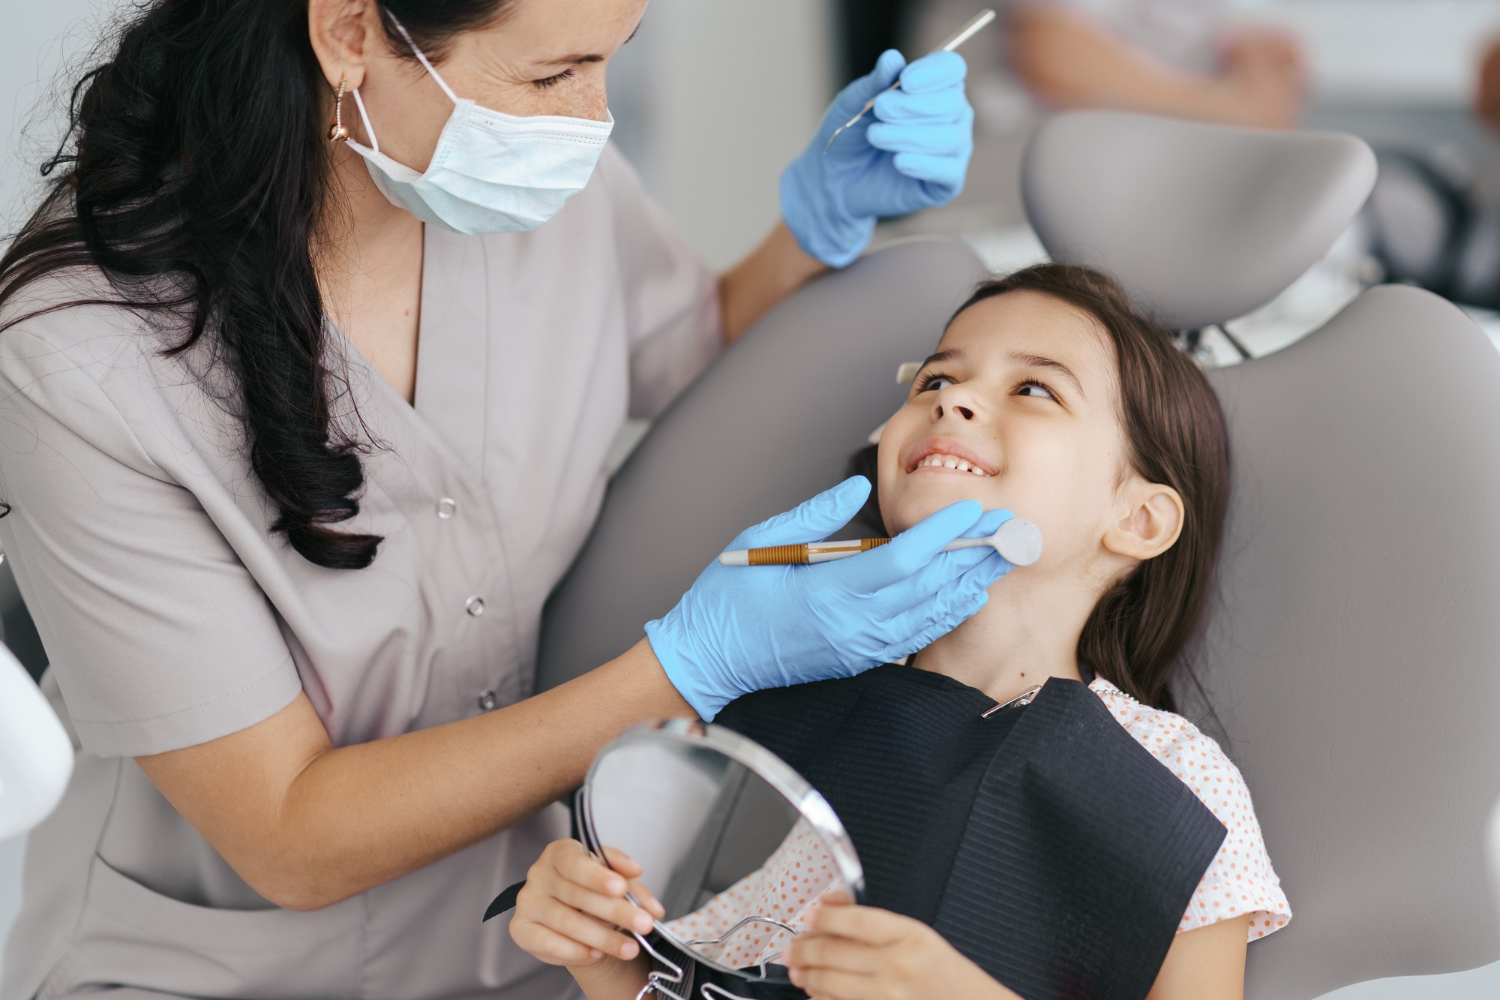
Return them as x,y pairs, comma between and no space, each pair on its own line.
338,131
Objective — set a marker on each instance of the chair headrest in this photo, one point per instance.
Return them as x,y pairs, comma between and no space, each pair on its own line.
1200,223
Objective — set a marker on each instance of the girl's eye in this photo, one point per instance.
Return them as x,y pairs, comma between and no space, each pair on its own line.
1034,389
553,81
934,382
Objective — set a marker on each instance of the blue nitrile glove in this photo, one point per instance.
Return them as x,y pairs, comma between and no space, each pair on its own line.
743,628
910,152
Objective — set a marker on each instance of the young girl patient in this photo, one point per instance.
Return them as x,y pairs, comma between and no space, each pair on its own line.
1050,396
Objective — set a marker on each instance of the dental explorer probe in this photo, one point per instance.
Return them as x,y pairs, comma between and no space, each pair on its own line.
1018,541
967,32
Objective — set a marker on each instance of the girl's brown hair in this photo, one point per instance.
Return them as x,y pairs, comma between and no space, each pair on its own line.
1142,627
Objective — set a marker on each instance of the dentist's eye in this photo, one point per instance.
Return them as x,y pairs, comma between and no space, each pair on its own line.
553,81
932,380
1037,389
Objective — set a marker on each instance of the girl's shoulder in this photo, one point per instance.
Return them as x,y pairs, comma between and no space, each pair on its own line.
1241,879
1181,746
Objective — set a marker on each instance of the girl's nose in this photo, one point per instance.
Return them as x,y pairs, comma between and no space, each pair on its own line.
952,399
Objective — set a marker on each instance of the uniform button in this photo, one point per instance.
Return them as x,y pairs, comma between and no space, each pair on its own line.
474,605
487,700
446,508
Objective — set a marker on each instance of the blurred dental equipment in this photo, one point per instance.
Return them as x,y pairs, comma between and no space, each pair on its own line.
36,755
1494,848
1018,541
968,31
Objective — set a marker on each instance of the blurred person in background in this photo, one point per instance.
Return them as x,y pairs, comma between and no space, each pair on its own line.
1173,57
1162,56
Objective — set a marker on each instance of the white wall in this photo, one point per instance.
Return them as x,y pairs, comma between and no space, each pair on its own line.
39,39
713,99
1394,51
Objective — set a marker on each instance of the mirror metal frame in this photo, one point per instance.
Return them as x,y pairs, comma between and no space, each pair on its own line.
805,799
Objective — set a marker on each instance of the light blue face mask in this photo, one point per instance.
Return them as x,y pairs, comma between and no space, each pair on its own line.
491,172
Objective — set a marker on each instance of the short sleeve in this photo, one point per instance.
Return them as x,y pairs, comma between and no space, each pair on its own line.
1240,879
672,297
155,631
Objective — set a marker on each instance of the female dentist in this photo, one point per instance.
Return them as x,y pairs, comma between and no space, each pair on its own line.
309,366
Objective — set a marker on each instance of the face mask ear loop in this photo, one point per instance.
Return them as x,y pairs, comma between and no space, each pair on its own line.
431,71
369,129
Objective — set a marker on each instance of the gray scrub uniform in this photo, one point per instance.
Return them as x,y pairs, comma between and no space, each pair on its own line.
173,616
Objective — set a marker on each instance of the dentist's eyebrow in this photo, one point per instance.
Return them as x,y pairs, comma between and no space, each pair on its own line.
1038,361
590,58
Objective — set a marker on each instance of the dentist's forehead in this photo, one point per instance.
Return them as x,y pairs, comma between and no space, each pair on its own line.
564,33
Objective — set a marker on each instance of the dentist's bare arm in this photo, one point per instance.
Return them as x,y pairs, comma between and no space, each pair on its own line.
772,271
307,824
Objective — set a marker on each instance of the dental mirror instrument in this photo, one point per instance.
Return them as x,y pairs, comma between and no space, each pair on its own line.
968,31
1018,541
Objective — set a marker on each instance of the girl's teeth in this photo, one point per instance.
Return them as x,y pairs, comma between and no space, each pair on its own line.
949,462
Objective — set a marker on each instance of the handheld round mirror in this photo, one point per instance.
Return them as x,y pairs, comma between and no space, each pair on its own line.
733,842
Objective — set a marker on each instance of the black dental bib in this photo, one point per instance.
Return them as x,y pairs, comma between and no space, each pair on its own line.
1043,842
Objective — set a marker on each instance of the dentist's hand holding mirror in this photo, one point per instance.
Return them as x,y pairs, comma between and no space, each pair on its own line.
743,629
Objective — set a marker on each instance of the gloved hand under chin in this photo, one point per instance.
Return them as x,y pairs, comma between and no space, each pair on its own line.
744,628
910,152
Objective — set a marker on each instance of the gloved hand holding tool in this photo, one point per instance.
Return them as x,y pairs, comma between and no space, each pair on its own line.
911,153
742,629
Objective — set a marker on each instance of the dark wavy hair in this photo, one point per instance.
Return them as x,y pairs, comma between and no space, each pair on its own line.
194,176
1141,631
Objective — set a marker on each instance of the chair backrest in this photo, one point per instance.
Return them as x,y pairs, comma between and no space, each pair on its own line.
1200,223
1351,649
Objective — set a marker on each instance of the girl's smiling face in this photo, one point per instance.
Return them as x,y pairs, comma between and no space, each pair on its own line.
1019,408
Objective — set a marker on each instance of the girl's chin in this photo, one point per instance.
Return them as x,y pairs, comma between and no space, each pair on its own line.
911,514
920,498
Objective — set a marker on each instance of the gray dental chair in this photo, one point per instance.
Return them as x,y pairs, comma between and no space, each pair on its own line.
1352,650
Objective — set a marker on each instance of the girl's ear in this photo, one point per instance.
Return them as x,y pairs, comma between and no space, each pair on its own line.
1150,524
